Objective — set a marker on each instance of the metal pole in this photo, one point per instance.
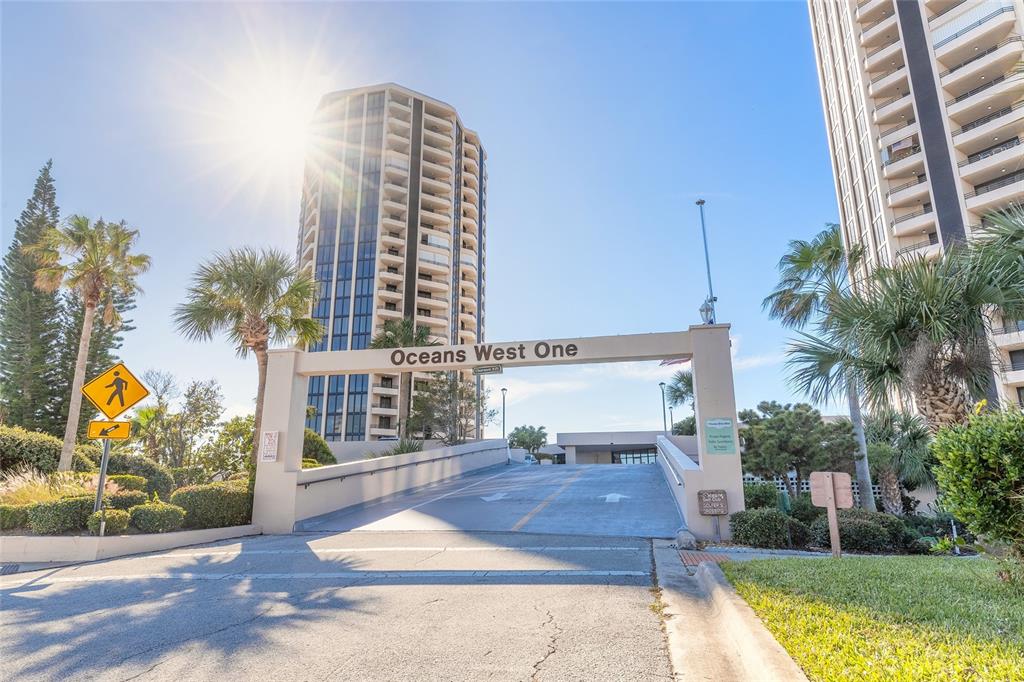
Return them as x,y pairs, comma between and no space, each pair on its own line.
503,413
664,417
671,417
103,475
707,260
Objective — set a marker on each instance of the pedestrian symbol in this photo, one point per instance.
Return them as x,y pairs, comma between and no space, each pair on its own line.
115,391
110,430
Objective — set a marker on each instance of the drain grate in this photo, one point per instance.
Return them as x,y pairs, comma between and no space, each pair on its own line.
8,569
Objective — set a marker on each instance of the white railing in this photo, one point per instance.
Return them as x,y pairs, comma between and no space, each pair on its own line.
804,486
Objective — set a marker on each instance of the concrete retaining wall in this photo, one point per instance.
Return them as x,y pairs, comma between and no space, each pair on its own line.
685,478
74,549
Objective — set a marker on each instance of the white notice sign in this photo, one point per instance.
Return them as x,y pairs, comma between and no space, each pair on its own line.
268,446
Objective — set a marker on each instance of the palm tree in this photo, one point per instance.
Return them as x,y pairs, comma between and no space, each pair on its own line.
255,298
812,275
679,390
95,261
403,333
915,329
898,443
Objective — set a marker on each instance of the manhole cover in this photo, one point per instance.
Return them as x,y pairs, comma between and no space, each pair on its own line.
7,569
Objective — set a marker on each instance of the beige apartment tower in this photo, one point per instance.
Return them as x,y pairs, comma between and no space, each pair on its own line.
924,109
392,226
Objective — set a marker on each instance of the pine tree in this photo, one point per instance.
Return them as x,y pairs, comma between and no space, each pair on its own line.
30,321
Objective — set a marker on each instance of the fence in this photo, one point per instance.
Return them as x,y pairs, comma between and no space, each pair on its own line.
805,485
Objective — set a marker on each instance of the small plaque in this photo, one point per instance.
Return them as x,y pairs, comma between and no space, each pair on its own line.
842,489
712,502
268,446
718,437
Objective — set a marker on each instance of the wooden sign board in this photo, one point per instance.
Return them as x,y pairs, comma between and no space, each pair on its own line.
842,489
712,502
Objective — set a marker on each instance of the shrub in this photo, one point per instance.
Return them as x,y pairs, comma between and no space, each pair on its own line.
767,528
27,485
761,496
128,481
239,476
117,521
803,510
191,475
126,499
315,447
855,534
981,475
83,460
894,527
310,463
157,517
20,446
13,516
59,516
214,505
401,447
158,477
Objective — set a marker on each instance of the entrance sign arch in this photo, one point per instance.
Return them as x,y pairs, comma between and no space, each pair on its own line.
707,347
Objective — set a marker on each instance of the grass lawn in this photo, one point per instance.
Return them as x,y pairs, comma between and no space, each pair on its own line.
889,618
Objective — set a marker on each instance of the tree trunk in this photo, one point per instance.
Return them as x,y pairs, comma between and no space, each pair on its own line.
261,387
867,497
67,451
891,493
942,401
404,403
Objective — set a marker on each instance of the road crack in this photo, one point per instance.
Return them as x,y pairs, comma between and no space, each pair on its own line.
552,644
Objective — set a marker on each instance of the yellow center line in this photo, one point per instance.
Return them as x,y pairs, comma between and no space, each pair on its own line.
550,498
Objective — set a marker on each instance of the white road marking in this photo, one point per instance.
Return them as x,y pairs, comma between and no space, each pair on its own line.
495,497
344,575
614,497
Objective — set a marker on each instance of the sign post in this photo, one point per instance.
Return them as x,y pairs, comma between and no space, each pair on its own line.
832,490
113,392
713,503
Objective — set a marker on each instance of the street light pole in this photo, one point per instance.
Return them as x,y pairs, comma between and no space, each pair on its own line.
664,418
707,310
503,391
671,417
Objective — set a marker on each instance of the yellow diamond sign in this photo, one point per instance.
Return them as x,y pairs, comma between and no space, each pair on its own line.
115,391
110,430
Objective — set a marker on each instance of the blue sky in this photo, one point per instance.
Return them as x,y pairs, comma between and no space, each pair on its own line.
603,124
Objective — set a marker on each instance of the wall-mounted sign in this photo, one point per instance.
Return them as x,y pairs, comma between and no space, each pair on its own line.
487,369
712,503
484,352
718,437
268,446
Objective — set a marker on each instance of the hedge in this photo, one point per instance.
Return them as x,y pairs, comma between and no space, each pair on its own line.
51,518
13,516
895,529
310,463
117,521
126,499
214,505
803,510
190,475
855,534
315,447
769,528
21,447
158,477
760,496
157,517
128,481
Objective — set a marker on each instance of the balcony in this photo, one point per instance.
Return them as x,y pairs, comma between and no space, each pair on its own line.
990,62
1010,336
433,216
907,192
881,32
380,431
890,136
909,161
869,11
942,8
890,110
983,25
915,221
385,389
389,312
924,248
992,162
995,193
385,409
879,56
886,84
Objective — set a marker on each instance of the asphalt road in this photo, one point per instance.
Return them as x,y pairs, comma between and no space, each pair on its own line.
377,594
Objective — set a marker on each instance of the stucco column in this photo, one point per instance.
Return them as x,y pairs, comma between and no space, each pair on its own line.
284,411
570,454
717,429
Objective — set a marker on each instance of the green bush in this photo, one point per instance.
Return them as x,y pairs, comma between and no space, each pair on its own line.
127,481
84,459
769,528
214,505
117,521
158,477
894,527
804,511
41,451
315,447
855,534
191,475
126,499
157,517
13,516
310,463
761,496
69,513
980,474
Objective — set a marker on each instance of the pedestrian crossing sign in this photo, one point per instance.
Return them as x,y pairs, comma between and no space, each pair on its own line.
115,391
99,430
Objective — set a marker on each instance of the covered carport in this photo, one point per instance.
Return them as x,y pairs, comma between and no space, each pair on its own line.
618,447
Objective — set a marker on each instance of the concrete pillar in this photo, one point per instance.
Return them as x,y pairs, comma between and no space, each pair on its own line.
717,428
570,454
284,411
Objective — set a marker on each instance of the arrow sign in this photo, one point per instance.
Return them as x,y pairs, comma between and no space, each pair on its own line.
614,497
495,497
109,430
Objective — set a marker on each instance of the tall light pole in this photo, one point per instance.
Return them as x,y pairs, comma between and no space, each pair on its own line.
503,392
707,311
664,418
671,417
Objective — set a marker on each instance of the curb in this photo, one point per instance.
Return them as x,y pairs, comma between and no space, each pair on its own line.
712,633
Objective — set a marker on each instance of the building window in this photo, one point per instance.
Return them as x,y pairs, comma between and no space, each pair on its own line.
384,422
635,456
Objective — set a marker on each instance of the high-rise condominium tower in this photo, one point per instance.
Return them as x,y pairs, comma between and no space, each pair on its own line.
924,106
393,226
